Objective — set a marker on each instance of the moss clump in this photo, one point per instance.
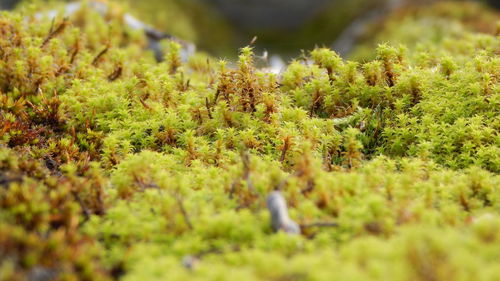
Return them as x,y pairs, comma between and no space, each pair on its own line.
161,170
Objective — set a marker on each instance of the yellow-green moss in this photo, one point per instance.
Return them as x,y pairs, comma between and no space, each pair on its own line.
162,170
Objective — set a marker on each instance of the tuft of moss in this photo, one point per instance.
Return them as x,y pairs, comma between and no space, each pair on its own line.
114,166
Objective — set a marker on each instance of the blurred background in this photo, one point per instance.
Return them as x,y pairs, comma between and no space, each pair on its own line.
283,27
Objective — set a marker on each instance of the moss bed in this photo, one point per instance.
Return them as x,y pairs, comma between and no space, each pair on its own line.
114,166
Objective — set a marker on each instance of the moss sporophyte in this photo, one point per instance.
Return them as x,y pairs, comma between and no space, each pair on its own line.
116,166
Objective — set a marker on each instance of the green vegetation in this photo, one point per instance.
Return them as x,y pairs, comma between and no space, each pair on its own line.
113,166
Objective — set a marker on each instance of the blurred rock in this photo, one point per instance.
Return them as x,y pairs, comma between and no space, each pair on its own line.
275,14
7,4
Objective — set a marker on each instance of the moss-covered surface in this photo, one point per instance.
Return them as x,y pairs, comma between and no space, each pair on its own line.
113,166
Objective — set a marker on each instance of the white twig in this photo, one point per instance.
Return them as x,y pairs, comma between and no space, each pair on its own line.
280,220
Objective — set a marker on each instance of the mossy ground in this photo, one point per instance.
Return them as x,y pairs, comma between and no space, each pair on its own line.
113,166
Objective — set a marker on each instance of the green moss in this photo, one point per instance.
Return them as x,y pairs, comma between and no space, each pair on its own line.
130,175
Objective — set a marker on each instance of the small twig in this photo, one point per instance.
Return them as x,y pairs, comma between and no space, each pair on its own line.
207,104
286,146
217,93
76,50
96,60
116,74
283,153
144,104
254,39
280,220
57,31
319,224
